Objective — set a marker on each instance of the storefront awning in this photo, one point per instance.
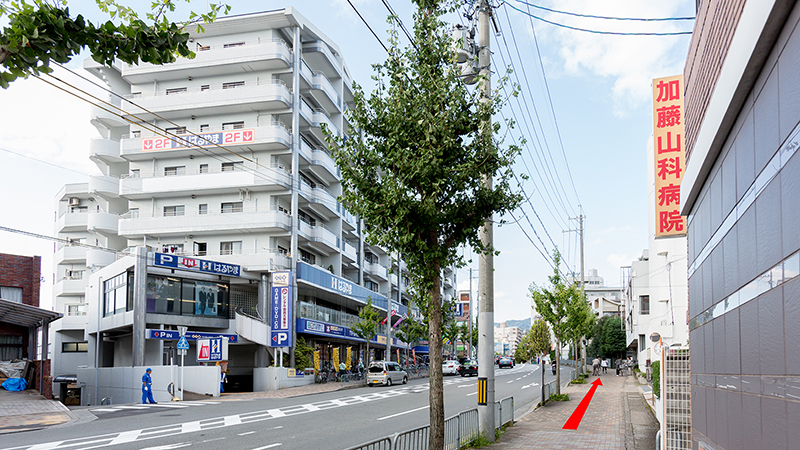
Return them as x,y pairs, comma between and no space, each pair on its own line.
26,315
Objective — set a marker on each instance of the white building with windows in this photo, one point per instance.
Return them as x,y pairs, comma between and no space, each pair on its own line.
221,158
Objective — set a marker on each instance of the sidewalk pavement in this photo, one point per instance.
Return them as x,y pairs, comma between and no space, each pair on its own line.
617,419
28,410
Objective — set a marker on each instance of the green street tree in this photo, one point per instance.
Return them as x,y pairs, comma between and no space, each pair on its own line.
553,305
41,32
367,325
410,331
613,336
415,172
580,321
538,343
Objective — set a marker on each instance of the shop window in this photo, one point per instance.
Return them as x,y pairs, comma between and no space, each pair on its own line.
163,294
74,347
115,294
202,298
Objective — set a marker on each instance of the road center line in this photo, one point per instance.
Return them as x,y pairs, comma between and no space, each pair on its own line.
245,434
405,412
278,444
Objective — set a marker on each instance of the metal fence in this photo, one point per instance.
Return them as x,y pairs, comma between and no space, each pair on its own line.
458,431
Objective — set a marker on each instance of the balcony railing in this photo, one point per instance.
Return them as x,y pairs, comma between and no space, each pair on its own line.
327,315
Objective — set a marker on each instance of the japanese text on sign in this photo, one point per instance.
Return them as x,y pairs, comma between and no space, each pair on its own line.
669,155
197,140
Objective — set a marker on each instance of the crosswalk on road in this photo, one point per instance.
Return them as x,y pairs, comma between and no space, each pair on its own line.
172,405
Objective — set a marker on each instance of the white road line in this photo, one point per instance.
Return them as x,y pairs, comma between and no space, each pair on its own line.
405,412
470,395
47,445
212,440
189,427
171,405
169,446
278,427
126,436
245,434
310,407
105,410
269,446
276,413
467,385
132,407
232,420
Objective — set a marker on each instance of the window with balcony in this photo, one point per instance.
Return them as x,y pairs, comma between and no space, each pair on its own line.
230,248
307,219
74,274
12,294
233,44
176,90
232,166
203,48
371,285
78,209
233,125
308,257
205,87
232,207
173,249
203,168
76,310
176,210
200,248
283,251
135,173
175,170
305,179
136,134
74,347
371,258
176,130
642,342
232,85
133,213
204,128
644,304
202,209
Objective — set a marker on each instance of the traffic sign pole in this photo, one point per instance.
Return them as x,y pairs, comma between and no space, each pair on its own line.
182,330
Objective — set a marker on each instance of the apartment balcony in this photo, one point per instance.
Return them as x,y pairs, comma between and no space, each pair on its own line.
324,93
99,258
272,136
107,116
69,254
447,270
69,287
263,96
320,57
104,185
319,237
318,119
349,222
447,283
103,222
320,200
71,321
377,270
320,162
71,222
136,226
349,251
215,60
104,150
250,176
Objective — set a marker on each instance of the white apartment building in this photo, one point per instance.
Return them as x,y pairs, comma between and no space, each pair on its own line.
506,339
604,300
656,290
242,176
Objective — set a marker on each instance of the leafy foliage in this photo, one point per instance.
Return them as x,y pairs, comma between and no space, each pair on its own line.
655,368
367,324
538,339
613,336
303,354
416,172
40,32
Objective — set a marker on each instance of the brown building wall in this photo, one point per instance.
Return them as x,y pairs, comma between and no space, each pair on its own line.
713,30
24,272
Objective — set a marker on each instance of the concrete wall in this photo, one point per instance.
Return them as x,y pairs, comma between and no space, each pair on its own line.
274,378
124,384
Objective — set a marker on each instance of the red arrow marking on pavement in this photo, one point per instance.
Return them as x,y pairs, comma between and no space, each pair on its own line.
576,417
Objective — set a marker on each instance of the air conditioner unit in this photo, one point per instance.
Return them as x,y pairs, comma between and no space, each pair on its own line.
74,201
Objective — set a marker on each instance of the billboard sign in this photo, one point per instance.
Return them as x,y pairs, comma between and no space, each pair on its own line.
210,350
670,155
197,265
281,310
172,335
155,144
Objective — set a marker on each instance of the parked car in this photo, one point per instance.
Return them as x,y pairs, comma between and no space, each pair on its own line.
468,367
450,367
386,372
505,362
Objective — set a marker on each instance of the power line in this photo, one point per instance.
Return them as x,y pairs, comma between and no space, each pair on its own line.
367,24
615,33
660,19
69,242
44,162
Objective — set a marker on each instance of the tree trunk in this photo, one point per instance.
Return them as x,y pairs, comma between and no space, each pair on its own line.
542,365
436,393
558,367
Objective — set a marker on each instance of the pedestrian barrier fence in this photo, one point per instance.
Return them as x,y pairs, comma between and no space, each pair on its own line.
458,431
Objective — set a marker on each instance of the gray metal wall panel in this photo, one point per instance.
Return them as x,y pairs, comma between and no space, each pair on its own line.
708,294
718,273
773,423
698,407
768,226
715,193
731,251
718,325
728,182
711,414
746,236
748,320
751,423
791,319
745,157
766,122
770,320
735,419
733,349
788,69
721,419
790,202
698,355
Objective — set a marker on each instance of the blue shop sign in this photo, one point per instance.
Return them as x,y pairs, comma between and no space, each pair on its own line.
197,265
170,335
325,329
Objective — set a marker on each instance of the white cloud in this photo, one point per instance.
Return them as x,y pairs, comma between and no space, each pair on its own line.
631,62
619,259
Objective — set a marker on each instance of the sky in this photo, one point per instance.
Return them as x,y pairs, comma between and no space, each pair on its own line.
593,154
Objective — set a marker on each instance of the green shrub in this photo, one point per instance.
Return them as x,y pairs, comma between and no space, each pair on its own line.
559,397
579,380
655,368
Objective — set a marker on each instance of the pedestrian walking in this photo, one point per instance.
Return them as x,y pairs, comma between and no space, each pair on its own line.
147,387
604,365
596,366
223,379
618,365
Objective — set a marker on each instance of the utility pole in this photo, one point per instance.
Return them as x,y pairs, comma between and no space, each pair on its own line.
486,259
469,339
579,347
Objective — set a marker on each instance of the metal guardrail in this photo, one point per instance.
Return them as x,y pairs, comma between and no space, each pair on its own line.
458,431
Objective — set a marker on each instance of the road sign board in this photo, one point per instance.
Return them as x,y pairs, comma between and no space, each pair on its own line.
281,310
182,344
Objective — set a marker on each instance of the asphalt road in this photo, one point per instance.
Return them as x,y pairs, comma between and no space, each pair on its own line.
333,420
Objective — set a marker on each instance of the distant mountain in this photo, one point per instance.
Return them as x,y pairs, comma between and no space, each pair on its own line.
524,324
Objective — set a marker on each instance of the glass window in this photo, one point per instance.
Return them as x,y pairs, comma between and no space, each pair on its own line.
232,84
233,125
176,90
644,304
172,211
13,294
230,248
233,44
175,170
163,294
115,294
203,167
232,207
203,209
232,166
176,130
74,347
